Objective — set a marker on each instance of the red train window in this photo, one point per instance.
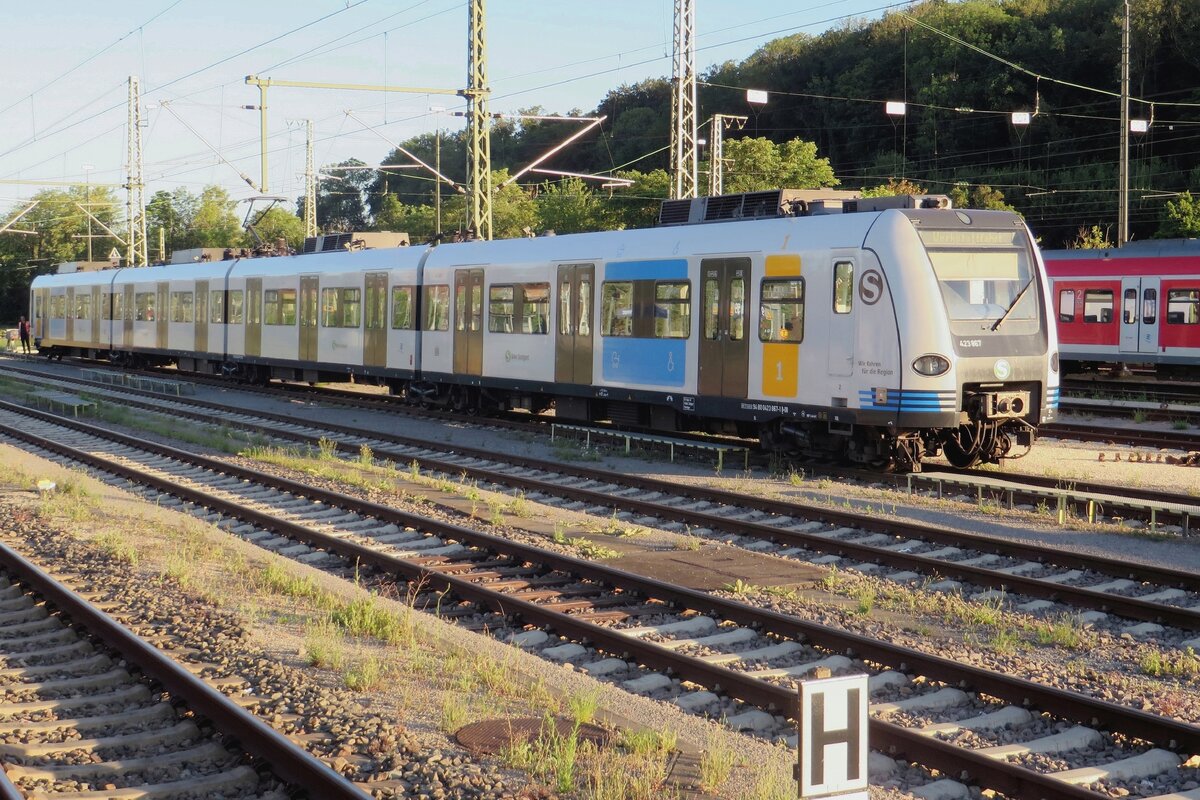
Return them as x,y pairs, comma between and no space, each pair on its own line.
1129,307
1183,306
1066,305
1098,305
1149,306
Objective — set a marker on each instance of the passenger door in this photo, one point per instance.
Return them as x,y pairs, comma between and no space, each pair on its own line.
162,311
309,306
573,336
375,318
69,314
1139,315
127,318
724,344
842,328
1131,317
468,322
201,312
96,314
253,316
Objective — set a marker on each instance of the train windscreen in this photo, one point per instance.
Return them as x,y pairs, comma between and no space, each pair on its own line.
983,275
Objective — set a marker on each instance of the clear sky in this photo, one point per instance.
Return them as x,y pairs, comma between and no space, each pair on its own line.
67,62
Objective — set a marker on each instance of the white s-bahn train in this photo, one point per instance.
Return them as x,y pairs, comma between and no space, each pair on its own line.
883,334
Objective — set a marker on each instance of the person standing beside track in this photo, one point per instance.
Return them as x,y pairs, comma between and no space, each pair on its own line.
23,332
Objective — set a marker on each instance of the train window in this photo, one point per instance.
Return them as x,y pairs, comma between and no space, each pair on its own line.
437,308
672,310
58,306
781,315
83,306
712,309
376,307
118,306
402,308
279,307
1129,307
737,309
535,308
460,307
181,307
616,308
500,308
106,305
1149,306
585,307
216,307
477,307
1066,305
1098,305
564,307
236,302
143,303
341,308
1183,306
843,287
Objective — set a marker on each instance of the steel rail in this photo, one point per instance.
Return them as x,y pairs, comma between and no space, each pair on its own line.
288,760
1010,778
1131,607
1164,732
1100,433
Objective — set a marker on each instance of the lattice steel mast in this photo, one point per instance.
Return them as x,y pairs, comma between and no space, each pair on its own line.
479,140
310,184
135,204
684,155
716,150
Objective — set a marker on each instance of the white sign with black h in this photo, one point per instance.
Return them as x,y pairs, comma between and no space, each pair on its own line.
833,738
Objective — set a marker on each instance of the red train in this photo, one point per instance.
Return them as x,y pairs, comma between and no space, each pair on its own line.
1138,304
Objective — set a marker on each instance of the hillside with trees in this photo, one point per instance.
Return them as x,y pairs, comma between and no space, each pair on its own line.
962,68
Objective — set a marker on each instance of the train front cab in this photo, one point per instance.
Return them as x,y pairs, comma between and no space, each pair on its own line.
1002,354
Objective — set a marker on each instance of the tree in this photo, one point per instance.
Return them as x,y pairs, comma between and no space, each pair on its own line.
341,199
1093,238
215,224
637,205
570,206
418,221
1180,218
893,188
279,223
981,196
756,164
174,213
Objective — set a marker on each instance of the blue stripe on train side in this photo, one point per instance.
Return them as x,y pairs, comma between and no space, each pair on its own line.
909,400
657,269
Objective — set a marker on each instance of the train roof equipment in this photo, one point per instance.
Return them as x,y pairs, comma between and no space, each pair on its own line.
786,203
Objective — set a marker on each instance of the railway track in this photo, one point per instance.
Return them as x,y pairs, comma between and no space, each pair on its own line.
90,710
704,653
1034,578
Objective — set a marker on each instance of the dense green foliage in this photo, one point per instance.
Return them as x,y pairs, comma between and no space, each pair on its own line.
962,68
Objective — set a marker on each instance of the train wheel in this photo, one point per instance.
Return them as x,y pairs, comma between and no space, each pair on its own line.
962,447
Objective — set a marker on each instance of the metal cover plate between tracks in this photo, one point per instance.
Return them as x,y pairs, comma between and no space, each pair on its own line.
493,735
711,568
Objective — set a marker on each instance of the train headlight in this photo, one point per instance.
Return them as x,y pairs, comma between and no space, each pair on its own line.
1054,361
931,365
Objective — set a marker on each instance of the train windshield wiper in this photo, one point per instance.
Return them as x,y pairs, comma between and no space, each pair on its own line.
1013,304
